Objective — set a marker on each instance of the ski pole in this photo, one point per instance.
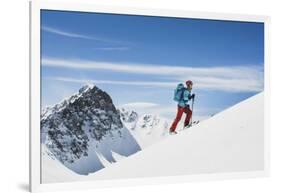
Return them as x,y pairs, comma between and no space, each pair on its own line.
191,111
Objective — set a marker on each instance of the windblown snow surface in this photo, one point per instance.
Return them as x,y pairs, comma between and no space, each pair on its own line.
231,141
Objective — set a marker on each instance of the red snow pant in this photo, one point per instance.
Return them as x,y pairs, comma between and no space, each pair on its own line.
181,110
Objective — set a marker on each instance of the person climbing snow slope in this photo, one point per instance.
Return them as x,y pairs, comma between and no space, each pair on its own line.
182,95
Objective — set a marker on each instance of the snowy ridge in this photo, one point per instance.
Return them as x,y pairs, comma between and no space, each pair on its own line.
231,141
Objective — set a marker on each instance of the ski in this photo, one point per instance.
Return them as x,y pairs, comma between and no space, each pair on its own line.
190,125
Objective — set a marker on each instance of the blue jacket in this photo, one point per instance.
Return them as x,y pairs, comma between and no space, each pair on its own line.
185,98
183,102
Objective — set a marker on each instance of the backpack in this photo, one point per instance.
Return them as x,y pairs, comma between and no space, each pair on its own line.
178,93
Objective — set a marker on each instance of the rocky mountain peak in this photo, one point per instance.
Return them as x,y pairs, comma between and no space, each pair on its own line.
87,115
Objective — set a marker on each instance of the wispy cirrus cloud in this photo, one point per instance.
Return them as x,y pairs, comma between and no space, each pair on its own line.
64,33
135,68
69,34
222,78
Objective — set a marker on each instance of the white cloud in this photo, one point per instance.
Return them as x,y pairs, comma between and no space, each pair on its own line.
172,70
64,33
221,78
76,35
243,84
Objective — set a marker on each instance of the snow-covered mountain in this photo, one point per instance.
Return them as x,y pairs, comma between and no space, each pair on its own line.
218,145
147,129
85,133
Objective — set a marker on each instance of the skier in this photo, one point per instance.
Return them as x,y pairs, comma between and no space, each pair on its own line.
182,96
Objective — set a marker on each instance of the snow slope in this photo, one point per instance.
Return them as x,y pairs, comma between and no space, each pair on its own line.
231,141
53,170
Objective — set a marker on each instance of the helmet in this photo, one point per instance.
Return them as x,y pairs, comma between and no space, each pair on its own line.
189,82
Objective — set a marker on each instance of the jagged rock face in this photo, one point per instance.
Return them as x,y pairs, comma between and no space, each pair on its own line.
68,127
128,116
149,121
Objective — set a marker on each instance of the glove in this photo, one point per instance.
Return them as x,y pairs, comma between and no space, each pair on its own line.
192,96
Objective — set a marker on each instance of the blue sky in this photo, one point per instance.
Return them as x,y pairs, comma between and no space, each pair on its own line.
139,60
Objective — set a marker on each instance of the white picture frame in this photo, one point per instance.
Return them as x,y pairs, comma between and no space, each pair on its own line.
36,6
